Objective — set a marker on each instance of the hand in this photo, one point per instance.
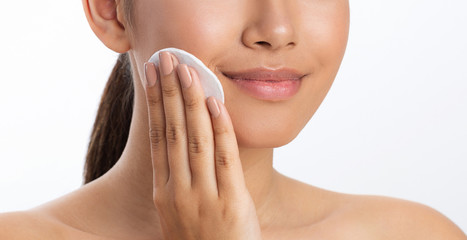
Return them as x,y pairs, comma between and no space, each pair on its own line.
199,187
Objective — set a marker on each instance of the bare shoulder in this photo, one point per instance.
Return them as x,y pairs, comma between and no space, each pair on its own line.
390,218
36,225
27,225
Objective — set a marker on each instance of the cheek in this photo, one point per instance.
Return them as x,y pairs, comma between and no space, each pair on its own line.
198,28
325,30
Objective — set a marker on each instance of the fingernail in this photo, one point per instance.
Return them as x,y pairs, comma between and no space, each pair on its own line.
150,74
213,107
143,80
166,63
184,74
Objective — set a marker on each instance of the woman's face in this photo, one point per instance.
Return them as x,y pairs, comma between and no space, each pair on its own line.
234,35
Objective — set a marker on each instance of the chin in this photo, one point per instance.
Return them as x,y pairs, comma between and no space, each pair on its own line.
257,125
265,137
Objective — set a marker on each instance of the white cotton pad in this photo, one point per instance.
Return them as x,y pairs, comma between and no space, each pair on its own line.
209,81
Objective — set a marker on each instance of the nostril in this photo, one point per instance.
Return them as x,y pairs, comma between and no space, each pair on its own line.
263,43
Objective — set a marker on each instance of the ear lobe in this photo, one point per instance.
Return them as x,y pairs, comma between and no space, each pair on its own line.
103,18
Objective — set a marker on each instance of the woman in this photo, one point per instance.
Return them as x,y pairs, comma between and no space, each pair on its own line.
205,171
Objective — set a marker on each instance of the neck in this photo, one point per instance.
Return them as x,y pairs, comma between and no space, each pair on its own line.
131,179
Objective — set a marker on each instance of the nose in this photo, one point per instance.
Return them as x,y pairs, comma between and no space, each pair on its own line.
271,27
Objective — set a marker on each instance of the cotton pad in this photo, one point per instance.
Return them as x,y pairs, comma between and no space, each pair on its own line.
209,81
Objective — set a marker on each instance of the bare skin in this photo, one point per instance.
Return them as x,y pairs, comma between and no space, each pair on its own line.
309,36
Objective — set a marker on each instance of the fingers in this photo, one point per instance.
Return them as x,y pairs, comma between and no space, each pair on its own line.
176,131
228,166
200,136
156,126
189,147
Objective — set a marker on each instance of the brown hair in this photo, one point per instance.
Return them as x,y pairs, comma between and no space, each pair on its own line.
112,125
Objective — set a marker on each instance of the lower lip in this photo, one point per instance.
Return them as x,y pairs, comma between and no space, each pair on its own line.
272,90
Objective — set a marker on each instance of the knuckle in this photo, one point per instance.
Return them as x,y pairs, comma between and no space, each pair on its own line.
221,130
192,104
224,159
229,214
159,200
170,91
179,201
154,101
156,134
174,133
197,144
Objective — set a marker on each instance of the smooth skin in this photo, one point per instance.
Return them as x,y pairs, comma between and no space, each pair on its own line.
199,189
217,171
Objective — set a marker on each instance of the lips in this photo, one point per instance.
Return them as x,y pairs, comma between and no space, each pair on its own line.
265,84
263,74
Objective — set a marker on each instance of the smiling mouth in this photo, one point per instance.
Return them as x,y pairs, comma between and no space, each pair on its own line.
262,74
277,89
261,80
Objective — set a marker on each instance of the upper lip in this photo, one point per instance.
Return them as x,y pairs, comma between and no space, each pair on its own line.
263,74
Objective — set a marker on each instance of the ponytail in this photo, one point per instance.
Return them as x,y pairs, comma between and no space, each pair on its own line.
112,125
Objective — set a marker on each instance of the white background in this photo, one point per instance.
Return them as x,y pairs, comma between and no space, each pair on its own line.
394,123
